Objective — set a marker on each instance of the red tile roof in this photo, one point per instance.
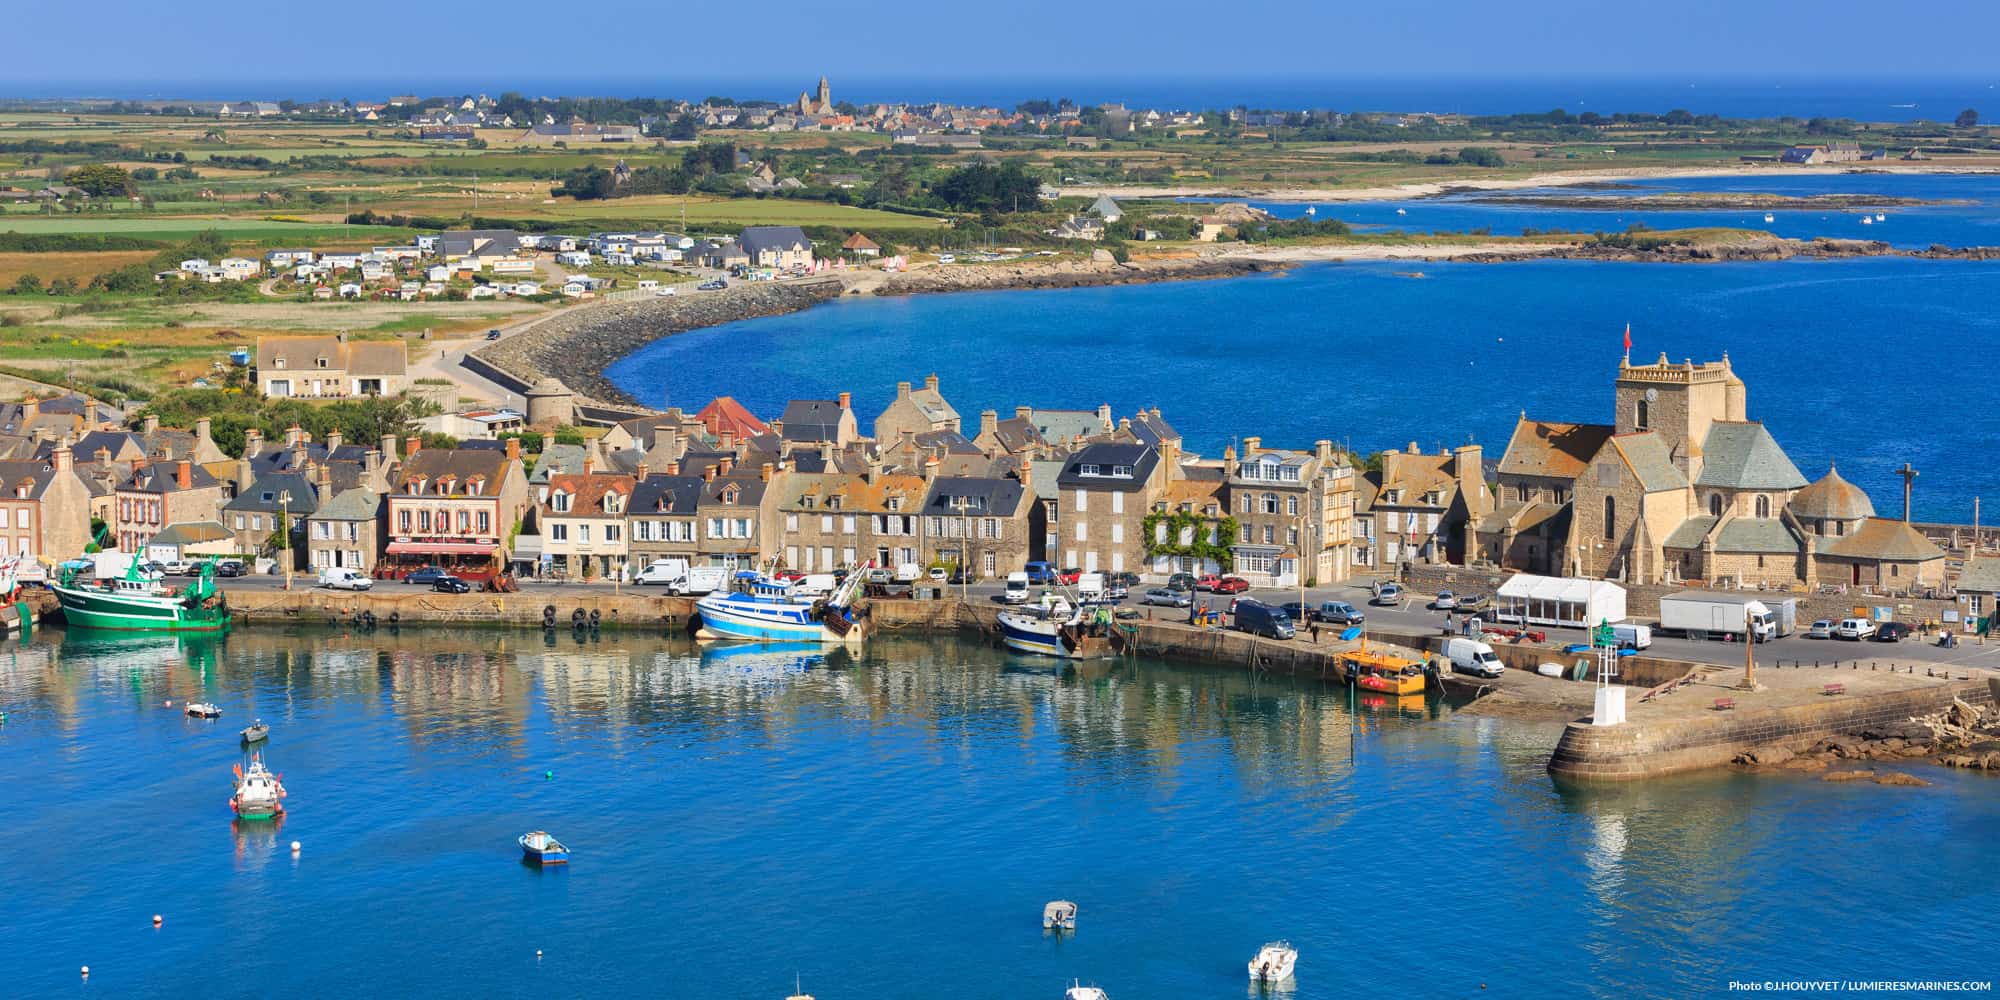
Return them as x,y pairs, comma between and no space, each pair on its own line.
724,413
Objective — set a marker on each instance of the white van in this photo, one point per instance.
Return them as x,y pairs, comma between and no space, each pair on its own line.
344,578
1090,586
1017,588
1630,636
909,573
1470,656
814,585
662,572
700,580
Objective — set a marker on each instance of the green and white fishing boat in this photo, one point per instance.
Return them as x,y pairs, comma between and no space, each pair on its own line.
138,603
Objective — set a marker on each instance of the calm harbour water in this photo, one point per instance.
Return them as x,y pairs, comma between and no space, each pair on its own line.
888,824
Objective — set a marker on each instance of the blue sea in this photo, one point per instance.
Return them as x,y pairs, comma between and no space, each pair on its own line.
889,823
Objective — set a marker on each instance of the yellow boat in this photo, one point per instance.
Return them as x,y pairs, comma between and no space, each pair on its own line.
1383,672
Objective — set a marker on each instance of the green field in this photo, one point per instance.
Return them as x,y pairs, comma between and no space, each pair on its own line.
265,231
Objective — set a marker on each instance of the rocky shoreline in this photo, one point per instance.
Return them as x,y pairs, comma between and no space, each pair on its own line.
1748,249
1681,201
1071,274
1962,736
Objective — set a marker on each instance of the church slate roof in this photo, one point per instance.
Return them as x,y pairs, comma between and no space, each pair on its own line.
1756,534
1886,539
1646,455
1690,533
1744,456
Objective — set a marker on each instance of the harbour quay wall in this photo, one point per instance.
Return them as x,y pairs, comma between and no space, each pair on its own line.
393,603
1638,750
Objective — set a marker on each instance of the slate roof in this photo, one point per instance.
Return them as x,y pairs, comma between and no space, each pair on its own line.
1691,532
190,533
162,478
1142,459
1017,434
812,420
463,243
1756,534
663,494
1058,426
36,475
951,441
1882,538
1046,474
351,505
987,497
557,459
263,493
1743,456
749,493
1151,428
1647,456
759,239
1551,449
1105,207
1981,575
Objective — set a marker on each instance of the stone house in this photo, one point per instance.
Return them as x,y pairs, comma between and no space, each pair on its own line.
157,495
1294,512
1979,590
831,520
818,421
254,515
1188,516
1016,436
455,507
917,411
1416,508
1107,490
346,531
1528,527
663,521
779,247
583,522
44,508
330,367
735,521
981,524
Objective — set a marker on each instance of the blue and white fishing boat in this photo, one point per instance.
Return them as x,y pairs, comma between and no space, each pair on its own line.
540,848
769,611
1059,630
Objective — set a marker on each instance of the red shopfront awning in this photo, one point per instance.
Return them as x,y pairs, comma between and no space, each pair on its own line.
442,549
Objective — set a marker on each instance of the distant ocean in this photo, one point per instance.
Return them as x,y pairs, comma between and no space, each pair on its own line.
1873,100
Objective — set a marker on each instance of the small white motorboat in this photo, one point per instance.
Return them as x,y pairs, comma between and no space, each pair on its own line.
1402,211
256,732
259,793
1768,217
1881,217
1078,991
204,710
1274,963
1059,915
1867,220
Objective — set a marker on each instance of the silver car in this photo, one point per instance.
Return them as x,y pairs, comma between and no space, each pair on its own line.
1167,598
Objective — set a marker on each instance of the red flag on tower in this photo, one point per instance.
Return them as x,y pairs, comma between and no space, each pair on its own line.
1628,340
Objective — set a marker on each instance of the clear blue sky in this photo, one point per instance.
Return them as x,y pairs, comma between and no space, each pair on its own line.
665,47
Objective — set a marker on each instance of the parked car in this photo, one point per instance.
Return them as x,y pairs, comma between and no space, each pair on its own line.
1387,595
1339,613
1822,629
713,285
1181,581
344,578
1469,604
661,572
938,574
1069,576
1444,601
1296,611
492,335
1115,592
1854,628
1122,579
1039,572
788,575
231,567
1258,618
448,584
178,567
425,574
1207,581
1167,598
1894,632
1231,585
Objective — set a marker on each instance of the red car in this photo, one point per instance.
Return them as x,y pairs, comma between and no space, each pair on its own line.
1069,576
1231,585
1207,581
788,575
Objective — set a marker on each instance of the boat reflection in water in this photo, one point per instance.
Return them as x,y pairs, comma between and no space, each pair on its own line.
121,651
256,841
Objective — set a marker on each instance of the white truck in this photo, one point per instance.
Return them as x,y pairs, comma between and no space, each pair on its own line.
1704,614
112,564
700,580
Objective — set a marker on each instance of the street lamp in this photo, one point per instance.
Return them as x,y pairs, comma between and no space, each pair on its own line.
285,532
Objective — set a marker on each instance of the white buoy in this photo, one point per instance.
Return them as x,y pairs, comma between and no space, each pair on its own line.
157,920
86,972
295,847
538,952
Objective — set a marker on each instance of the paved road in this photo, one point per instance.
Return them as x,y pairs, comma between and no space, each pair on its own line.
1412,616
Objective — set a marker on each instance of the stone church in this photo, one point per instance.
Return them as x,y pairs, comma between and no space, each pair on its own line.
1683,487
820,103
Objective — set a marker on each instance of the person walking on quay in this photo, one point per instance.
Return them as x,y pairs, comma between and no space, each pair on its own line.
1314,629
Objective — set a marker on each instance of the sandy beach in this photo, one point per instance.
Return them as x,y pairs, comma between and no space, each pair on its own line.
1564,178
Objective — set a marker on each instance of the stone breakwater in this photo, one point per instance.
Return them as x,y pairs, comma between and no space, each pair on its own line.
1067,274
574,346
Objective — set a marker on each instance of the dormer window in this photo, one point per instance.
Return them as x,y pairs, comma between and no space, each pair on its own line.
895,503
278,362
559,502
808,501
321,362
1089,470
269,496
833,503
613,503
730,493
1122,470
475,485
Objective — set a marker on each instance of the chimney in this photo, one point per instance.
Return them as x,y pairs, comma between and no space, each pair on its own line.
138,464
333,440
388,447
513,449
639,475
103,455
1414,450
184,474
548,441
324,478
846,400
1027,472
1323,450
371,460
1124,423
294,436
150,424
728,439
930,468
63,459
1104,415
413,445
1024,413
708,474
1251,444
201,431
989,421
765,472
1156,413
909,438
778,427
902,390
728,462
931,381
587,462
673,468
